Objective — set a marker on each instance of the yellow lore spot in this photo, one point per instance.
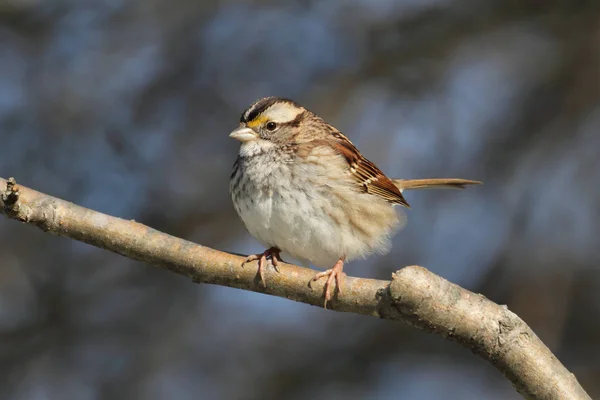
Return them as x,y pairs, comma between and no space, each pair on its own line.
256,122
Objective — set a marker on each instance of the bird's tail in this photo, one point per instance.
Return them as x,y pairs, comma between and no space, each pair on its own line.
435,183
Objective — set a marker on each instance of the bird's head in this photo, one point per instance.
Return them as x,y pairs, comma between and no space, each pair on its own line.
271,121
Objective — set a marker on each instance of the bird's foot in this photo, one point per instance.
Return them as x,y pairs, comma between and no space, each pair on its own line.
336,273
271,253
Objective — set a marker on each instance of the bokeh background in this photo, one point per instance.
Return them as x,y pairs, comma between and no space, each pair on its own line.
125,107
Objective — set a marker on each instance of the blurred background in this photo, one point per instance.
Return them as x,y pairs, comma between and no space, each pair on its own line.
125,107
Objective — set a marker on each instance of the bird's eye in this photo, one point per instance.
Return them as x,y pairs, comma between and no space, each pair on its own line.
271,126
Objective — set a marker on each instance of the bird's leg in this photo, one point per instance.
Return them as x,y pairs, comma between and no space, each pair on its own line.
272,253
334,273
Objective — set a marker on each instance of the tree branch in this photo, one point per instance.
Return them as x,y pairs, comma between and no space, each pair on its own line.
415,295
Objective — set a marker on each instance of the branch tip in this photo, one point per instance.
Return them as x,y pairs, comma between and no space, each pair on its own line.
10,196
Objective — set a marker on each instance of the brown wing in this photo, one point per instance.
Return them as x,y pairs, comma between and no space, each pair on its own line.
367,175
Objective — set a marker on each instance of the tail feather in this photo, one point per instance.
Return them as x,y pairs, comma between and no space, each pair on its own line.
435,183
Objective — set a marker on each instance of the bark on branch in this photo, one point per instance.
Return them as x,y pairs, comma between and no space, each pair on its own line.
414,295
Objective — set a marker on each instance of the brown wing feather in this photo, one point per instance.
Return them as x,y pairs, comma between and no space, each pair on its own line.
367,175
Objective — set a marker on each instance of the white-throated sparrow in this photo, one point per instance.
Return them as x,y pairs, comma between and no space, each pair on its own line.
301,187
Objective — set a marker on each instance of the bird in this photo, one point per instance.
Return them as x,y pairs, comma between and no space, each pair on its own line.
302,188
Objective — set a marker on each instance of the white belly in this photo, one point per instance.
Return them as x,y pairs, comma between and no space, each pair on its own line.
288,221
318,223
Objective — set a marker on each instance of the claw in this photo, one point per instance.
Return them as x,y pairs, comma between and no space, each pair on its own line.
274,261
336,273
250,258
273,254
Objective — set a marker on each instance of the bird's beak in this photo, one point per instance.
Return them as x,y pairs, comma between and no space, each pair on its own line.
243,134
